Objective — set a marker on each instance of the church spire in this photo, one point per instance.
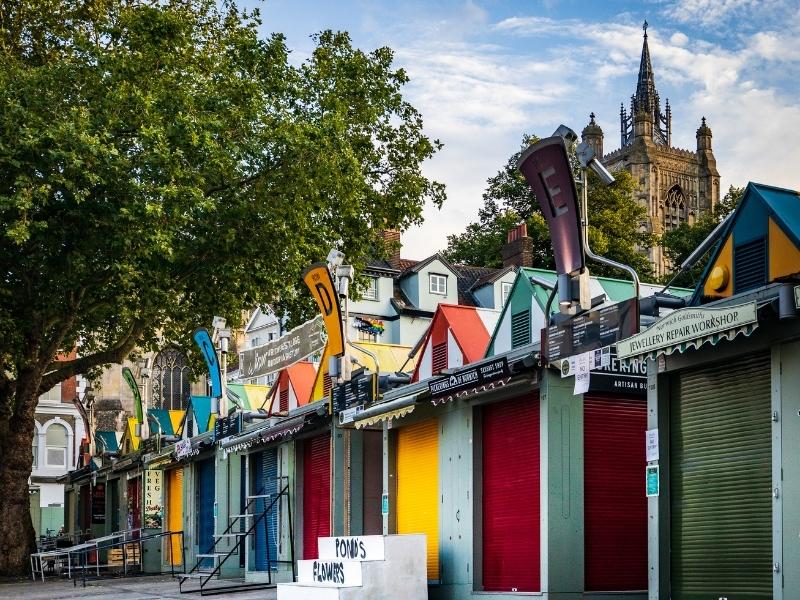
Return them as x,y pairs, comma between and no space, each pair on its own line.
646,105
646,87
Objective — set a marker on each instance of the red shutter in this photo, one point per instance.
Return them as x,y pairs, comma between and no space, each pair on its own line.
316,493
615,505
283,405
511,546
439,358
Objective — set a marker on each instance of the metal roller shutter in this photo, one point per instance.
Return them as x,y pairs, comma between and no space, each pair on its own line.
204,501
316,493
615,505
720,482
175,513
511,488
418,486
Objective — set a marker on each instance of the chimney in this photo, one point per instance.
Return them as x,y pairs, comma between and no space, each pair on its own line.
518,250
391,237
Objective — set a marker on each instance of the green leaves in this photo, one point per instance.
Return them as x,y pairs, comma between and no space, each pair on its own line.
160,164
614,222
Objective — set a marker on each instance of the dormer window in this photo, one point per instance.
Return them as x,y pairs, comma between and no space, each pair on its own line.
371,293
438,284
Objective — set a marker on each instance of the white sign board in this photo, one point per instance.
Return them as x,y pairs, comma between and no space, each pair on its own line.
583,369
349,415
651,445
687,324
183,448
358,547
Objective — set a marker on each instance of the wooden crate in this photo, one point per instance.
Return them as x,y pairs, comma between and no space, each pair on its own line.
132,555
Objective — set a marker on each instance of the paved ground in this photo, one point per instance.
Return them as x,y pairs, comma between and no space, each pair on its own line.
131,588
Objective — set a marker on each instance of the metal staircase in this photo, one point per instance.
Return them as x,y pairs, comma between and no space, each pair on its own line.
205,573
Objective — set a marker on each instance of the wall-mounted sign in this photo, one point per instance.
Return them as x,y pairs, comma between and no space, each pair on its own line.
651,480
183,448
651,445
358,390
320,283
618,378
227,426
288,349
385,504
349,415
153,498
689,326
546,168
797,296
469,377
591,330
99,504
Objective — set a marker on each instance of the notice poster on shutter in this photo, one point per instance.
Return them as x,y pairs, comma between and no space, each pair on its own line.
583,369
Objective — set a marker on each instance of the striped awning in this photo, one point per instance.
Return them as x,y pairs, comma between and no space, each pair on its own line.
387,416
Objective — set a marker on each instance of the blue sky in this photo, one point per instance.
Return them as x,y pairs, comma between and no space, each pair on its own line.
485,72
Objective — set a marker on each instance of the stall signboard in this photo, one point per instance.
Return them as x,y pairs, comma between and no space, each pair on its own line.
619,378
591,330
227,426
153,498
99,504
183,448
687,325
469,377
294,346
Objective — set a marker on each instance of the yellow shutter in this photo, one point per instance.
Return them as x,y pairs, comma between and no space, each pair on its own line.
418,486
175,512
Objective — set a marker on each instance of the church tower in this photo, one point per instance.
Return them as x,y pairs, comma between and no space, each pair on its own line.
675,185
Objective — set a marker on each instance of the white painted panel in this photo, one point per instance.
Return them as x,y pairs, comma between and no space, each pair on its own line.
332,573
360,548
489,318
502,340
426,363
454,356
51,493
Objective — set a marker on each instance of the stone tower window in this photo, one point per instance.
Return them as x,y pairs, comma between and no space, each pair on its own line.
170,379
674,208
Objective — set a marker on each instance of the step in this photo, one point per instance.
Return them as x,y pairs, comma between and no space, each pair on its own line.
256,496
194,575
242,516
304,591
211,555
222,535
354,547
330,573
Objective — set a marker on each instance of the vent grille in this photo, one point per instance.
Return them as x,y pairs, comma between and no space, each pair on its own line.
283,405
750,265
521,329
327,385
439,358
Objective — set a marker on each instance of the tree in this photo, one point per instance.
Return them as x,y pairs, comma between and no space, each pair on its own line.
160,164
615,222
680,242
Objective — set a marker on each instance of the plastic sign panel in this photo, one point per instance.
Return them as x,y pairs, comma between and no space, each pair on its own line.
203,341
651,452
127,375
319,281
651,480
288,349
546,168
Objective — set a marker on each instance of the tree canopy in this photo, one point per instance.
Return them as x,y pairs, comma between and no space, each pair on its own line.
160,163
680,242
615,222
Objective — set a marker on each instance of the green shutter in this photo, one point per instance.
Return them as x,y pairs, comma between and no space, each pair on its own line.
720,482
521,328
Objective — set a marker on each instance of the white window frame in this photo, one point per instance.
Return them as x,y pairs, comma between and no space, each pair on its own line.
371,291
439,278
505,291
52,396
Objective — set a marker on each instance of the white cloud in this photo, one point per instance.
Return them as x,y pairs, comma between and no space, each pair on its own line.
480,98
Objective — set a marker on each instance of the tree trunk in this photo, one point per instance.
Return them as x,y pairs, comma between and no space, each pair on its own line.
17,537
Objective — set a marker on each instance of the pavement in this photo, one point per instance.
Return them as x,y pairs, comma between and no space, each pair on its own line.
146,587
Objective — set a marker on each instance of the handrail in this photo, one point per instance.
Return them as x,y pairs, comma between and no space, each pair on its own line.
256,521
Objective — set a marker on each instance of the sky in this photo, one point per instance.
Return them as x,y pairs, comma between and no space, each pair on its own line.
483,73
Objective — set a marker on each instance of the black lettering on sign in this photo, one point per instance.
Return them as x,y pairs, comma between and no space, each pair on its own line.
328,572
350,548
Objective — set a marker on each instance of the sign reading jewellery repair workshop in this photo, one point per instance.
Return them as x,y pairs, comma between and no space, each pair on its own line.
273,356
689,325
476,375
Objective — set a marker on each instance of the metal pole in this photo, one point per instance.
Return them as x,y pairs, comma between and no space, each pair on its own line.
585,227
385,516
